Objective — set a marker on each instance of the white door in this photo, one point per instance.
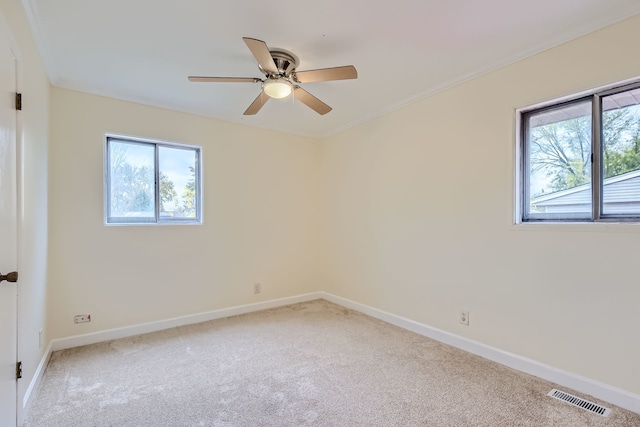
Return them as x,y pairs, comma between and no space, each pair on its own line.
8,232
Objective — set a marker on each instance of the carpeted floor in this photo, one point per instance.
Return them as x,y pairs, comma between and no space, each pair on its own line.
313,363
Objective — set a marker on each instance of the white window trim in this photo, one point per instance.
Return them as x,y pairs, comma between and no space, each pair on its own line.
157,142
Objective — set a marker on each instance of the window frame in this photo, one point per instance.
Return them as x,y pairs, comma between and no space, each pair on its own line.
158,219
523,164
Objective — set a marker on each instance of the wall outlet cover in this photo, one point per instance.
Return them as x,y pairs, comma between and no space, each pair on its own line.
81,318
464,317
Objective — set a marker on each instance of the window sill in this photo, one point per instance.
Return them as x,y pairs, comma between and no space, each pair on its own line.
152,224
581,227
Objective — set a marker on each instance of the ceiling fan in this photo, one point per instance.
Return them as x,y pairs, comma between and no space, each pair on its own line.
281,78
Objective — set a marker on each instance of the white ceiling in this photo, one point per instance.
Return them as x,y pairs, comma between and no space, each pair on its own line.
143,50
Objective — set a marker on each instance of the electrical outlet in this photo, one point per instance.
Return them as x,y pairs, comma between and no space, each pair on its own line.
256,288
464,317
81,318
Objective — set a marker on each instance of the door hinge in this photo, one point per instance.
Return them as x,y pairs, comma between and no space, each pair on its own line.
18,101
18,370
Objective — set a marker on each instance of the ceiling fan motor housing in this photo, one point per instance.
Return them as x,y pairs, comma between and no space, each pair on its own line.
286,62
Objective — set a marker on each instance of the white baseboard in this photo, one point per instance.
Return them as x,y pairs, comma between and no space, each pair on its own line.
144,328
605,392
37,376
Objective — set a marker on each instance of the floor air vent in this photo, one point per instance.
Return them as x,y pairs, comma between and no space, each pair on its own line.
580,403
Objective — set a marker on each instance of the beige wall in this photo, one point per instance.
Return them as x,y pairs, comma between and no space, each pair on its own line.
419,213
32,215
260,220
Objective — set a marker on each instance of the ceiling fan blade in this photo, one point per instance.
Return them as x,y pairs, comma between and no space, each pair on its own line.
224,79
261,52
325,74
257,104
311,101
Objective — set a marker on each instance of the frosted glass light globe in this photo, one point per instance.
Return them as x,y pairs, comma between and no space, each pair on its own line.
278,88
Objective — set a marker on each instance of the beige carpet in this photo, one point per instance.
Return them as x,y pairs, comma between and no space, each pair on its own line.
313,364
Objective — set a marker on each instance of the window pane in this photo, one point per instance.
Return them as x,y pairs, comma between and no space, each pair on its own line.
132,182
621,153
559,162
178,168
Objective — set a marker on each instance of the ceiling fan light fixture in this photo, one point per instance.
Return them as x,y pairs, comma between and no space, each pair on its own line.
277,88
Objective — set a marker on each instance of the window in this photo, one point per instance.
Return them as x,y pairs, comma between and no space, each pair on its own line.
151,182
581,158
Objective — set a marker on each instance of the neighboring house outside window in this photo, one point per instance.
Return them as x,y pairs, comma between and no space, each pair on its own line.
580,158
622,196
151,182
